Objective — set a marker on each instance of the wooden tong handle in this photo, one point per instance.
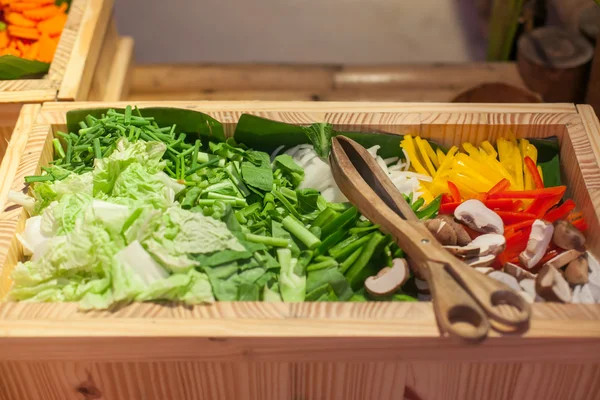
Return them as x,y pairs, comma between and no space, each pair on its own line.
456,312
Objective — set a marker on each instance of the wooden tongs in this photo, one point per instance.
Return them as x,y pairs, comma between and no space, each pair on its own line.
464,300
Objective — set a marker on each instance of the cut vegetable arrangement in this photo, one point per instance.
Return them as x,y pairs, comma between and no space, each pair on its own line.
155,204
29,35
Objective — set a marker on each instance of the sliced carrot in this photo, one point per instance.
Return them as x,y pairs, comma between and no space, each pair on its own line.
54,25
23,33
17,19
22,46
43,13
41,2
22,6
3,39
10,51
33,51
47,48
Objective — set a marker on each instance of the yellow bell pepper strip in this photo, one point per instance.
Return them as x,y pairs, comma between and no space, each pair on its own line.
489,149
424,155
541,173
409,146
426,195
432,154
447,163
440,156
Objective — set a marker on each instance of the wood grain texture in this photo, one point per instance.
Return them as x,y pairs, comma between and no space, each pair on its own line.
108,57
307,350
121,71
85,49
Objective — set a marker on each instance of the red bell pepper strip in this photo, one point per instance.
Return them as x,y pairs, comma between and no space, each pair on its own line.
580,224
530,194
449,208
482,197
472,233
454,193
574,216
550,254
560,212
540,206
517,205
510,229
500,204
509,217
535,174
446,198
499,187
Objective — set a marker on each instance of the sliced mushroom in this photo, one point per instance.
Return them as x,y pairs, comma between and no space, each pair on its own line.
528,286
594,290
422,286
484,270
462,237
550,285
507,279
388,280
517,272
464,252
567,237
563,258
482,261
526,296
424,296
442,231
490,243
477,216
583,294
539,239
577,271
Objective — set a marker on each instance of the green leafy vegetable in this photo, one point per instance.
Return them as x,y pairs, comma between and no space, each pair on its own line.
12,67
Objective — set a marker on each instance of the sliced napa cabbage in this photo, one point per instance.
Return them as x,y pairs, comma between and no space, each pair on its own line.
32,237
180,233
137,184
20,198
60,216
45,193
170,182
107,170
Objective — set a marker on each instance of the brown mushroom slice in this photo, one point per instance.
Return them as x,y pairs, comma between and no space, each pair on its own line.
539,239
577,271
563,258
464,252
490,243
478,217
388,280
567,237
482,261
507,279
442,231
518,272
551,285
462,236
526,296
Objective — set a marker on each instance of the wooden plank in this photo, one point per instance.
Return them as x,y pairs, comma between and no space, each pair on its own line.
16,147
453,77
79,70
225,95
119,79
199,78
55,112
108,57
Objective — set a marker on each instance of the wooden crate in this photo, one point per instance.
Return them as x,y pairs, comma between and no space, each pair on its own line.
344,351
90,63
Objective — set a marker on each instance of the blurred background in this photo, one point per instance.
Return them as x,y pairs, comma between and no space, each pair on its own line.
379,50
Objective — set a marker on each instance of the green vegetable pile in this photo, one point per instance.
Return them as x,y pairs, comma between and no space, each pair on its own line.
131,210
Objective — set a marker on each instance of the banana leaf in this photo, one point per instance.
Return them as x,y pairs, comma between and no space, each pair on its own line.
267,135
548,159
186,121
12,67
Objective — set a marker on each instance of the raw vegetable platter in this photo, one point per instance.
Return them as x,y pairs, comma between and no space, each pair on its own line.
292,349
156,204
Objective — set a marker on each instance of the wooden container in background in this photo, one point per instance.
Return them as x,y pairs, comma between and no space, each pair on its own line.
346,351
90,63
555,63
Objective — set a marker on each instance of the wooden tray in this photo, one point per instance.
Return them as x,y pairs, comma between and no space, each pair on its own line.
90,63
250,350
